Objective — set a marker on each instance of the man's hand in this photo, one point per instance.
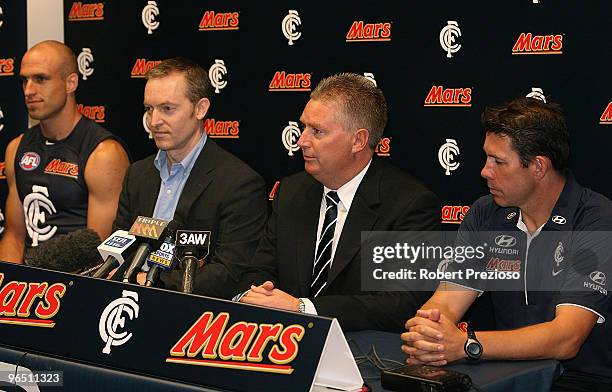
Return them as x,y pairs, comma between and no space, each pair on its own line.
432,339
267,295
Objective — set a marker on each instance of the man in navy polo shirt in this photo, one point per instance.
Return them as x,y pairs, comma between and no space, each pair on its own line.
537,221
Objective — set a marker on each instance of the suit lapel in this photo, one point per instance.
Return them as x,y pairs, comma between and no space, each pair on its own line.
146,201
199,179
306,224
361,217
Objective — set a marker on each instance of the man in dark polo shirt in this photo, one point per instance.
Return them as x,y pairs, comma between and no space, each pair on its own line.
551,230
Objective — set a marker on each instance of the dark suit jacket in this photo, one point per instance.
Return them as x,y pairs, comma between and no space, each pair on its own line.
387,199
223,195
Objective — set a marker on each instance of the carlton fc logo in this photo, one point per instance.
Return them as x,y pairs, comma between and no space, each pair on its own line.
446,156
447,38
113,318
289,26
290,136
149,13
216,73
36,206
84,62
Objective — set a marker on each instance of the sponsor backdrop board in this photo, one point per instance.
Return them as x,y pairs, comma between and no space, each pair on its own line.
439,64
13,115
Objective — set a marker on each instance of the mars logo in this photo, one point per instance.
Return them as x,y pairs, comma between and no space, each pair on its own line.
149,13
446,156
112,318
537,93
7,67
61,168
216,74
240,345
94,113
29,161
606,116
290,136
456,97
528,43
362,32
18,299
80,11
222,129
142,66
290,82
289,26
383,148
454,214
84,62
447,38
212,20
1,118
497,264
370,77
35,206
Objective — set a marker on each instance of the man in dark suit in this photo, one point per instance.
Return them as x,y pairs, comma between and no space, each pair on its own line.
194,181
309,258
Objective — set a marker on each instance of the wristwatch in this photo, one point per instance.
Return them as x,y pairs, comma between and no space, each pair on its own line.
302,308
472,347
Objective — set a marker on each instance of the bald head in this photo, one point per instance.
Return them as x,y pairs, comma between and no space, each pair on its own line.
60,56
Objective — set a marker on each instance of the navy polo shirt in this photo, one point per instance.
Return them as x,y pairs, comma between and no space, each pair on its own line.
568,261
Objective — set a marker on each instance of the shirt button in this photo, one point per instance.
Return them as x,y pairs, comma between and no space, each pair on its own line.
169,191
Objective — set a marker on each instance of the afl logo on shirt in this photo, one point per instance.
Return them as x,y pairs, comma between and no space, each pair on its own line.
29,161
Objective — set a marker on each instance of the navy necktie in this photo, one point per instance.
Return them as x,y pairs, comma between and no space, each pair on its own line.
323,256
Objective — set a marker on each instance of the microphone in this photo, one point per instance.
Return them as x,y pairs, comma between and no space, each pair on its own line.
192,245
112,251
149,229
162,259
66,253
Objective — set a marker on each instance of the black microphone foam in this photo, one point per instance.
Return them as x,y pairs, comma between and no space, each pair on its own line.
66,253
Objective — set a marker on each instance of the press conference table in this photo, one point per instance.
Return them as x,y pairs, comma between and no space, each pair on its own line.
489,376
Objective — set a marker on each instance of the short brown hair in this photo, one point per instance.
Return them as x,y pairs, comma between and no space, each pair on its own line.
196,77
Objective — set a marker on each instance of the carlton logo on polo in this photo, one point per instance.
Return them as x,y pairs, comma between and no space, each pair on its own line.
113,318
537,93
218,129
148,15
282,81
447,154
240,345
142,66
289,26
84,61
528,43
505,241
7,67
216,74
84,12
558,219
212,20
18,299
29,161
36,207
94,113
383,148
454,214
440,96
448,36
606,116
360,31
290,136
